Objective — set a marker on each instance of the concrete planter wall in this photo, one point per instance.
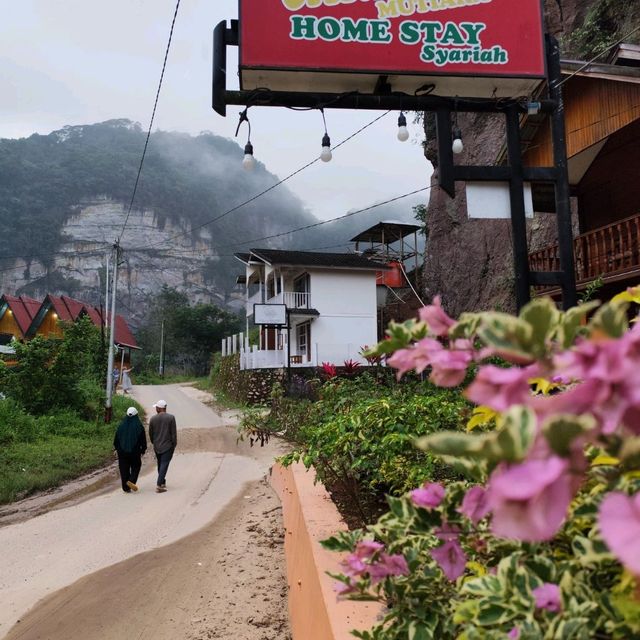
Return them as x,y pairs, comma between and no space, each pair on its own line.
310,516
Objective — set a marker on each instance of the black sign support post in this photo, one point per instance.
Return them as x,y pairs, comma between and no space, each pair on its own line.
515,173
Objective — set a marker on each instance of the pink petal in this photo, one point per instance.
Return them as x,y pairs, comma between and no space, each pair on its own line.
619,521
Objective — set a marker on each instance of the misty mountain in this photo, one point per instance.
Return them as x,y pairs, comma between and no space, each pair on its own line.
64,198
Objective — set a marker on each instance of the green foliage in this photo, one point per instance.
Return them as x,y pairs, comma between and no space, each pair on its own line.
360,433
59,374
605,22
192,333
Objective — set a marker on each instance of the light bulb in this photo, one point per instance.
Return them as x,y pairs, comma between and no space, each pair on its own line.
248,162
403,132
326,154
458,146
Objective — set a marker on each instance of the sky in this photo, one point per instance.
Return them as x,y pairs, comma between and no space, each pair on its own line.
70,62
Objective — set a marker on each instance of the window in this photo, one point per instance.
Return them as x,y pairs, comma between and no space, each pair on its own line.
303,336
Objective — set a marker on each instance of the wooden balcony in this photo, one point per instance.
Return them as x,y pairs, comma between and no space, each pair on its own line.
610,252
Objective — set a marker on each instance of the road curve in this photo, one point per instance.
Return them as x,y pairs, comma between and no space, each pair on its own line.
209,471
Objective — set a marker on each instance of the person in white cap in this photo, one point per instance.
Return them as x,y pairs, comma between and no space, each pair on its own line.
130,442
163,435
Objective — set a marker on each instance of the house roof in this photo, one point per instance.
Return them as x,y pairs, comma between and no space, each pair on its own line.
59,307
316,259
69,310
23,309
74,306
386,231
124,337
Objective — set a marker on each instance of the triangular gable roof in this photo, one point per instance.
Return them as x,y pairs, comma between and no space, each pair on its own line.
124,337
59,307
74,306
23,309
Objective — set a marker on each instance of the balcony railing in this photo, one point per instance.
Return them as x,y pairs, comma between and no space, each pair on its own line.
292,299
602,252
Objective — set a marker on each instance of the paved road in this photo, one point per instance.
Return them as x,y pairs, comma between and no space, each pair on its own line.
54,550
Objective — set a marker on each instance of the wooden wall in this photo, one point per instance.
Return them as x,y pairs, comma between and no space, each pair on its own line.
594,110
50,326
610,190
8,324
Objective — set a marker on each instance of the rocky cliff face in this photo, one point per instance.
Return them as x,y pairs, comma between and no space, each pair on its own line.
470,262
163,253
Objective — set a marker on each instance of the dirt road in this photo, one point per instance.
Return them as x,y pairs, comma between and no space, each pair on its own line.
204,560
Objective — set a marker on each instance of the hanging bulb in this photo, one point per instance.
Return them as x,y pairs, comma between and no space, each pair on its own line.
403,132
248,162
458,146
326,154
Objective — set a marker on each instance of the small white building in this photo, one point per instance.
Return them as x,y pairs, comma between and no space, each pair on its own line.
331,310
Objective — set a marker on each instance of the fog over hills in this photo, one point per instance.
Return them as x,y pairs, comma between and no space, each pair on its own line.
64,197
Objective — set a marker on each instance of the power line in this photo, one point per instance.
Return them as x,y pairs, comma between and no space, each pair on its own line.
346,215
599,55
153,115
272,187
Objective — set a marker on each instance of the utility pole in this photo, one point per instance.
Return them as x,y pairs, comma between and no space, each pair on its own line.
161,367
112,330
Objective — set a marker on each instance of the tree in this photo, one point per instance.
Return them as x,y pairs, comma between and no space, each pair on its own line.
192,332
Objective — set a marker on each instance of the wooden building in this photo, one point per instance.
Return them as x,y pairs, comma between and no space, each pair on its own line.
602,105
16,315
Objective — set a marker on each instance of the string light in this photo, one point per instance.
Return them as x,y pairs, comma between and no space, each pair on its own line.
248,162
325,154
458,146
403,132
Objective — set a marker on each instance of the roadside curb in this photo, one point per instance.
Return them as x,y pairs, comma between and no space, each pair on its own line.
309,517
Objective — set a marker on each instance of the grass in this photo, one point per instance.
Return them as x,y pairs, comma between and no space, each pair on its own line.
27,467
50,459
153,378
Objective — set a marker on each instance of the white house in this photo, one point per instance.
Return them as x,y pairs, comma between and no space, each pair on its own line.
330,300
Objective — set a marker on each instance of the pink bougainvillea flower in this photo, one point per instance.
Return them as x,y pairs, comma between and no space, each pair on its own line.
436,319
428,496
514,634
549,597
529,500
366,549
344,589
403,360
354,566
451,558
500,388
449,366
388,565
619,521
475,504
610,374
447,532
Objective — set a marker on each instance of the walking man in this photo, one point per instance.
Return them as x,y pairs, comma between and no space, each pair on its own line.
131,443
163,436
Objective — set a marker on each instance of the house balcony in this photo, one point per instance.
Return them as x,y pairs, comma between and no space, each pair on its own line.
292,299
611,252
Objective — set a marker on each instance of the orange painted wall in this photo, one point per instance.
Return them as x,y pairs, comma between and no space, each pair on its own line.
309,517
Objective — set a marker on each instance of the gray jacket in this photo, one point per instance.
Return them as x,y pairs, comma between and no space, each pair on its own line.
162,432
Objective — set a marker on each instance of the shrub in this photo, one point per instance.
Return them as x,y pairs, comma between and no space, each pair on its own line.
359,435
543,540
15,424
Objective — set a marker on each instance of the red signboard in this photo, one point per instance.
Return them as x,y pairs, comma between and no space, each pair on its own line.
491,47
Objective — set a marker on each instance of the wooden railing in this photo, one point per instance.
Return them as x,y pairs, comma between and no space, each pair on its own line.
601,252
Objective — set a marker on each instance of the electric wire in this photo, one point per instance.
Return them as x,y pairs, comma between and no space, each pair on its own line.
153,115
272,187
599,55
